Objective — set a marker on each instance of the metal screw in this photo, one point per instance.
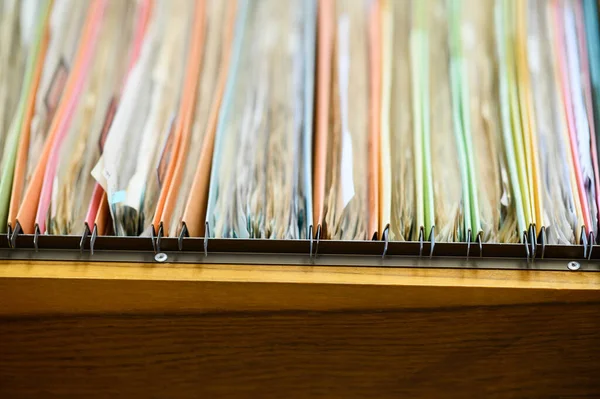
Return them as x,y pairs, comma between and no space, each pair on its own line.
160,257
573,265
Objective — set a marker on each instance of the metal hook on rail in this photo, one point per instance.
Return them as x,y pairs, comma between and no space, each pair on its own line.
386,240
182,234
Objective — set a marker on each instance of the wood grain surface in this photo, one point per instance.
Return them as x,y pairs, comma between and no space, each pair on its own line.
517,351
43,288
115,330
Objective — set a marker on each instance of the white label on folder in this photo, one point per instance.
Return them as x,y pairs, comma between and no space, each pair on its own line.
347,175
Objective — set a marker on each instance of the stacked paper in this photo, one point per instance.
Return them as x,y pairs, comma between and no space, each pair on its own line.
432,120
